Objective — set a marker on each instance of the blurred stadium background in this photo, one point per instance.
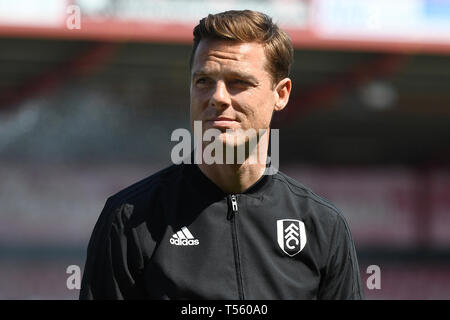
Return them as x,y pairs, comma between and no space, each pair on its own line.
87,109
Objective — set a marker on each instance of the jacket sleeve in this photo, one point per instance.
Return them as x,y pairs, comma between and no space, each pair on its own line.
342,279
113,262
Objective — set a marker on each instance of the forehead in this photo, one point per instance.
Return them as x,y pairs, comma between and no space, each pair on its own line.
226,53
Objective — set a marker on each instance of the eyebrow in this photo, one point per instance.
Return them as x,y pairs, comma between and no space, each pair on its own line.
242,75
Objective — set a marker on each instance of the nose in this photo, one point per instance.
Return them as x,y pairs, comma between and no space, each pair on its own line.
220,98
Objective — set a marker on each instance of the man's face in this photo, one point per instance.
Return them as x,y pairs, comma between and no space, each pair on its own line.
230,87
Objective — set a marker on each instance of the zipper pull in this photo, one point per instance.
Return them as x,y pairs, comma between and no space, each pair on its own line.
234,207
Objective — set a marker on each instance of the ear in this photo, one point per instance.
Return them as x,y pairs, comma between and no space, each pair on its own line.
282,92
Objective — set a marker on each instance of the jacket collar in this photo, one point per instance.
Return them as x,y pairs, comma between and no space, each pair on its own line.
207,187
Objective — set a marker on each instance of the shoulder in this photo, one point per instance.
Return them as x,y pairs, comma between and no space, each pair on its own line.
137,200
127,211
326,222
144,187
317,206
299,190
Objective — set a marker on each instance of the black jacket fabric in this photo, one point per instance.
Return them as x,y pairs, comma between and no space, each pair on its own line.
176,235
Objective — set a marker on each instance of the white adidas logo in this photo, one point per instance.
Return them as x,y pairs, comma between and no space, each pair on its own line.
183,238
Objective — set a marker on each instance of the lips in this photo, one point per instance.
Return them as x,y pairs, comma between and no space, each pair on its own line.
223,119
222,122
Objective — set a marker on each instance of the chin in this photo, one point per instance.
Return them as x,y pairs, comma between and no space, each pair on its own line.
233,140
227,139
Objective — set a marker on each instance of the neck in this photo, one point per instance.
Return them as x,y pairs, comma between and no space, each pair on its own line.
238,177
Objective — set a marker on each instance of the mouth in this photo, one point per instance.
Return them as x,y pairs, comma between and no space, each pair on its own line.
222,122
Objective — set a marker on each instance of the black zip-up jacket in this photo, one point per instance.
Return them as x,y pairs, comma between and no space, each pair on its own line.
176,235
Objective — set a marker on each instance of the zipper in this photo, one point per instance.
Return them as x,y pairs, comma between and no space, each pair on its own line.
231,216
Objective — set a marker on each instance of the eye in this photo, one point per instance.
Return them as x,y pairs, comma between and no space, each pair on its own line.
240,82
203,81
243,82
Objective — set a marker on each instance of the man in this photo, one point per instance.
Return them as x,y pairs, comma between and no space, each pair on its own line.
225,230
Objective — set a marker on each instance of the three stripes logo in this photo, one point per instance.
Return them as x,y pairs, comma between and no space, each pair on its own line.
291,236
184,238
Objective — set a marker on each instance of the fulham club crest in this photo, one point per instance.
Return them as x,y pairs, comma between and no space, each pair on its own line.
291,236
